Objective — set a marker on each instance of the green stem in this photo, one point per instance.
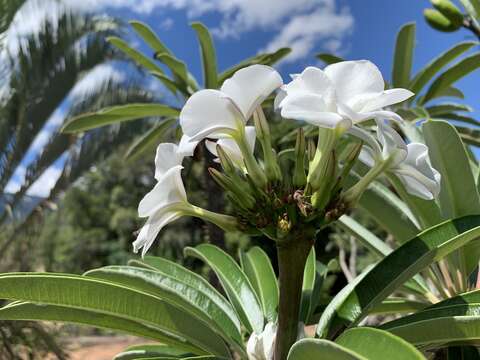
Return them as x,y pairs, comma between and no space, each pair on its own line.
225,222
253,168
292,255
353,194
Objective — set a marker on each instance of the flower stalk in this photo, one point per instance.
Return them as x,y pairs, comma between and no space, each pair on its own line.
292,254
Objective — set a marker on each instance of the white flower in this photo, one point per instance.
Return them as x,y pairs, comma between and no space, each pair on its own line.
169,155
162,205
231,148
221,113
409,162
262,346
344,94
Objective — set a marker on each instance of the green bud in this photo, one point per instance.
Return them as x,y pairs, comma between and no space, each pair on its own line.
350,159
262,129
321,196
449,10
225,161
299,176
438,21
311,149
244,198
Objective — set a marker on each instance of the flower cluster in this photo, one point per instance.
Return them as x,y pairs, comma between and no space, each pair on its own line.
346,103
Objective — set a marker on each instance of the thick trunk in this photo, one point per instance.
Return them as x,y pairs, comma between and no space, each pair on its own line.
292,256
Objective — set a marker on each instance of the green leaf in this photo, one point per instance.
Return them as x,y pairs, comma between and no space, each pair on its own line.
234,282
440,332
133,54
459,195
117,114
265,59
389,211
149,36
258,268
177,294
364,236
178,67
309,275
469,135
446,108
189,278
329,58
472,7
209,59
403,56
399,266
426,212
172,85
308,349
40,312
148,141
375,344
461,118
456,72
149,351
429,71
398,306
81,292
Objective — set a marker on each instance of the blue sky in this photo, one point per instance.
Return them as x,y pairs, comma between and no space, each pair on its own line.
354,29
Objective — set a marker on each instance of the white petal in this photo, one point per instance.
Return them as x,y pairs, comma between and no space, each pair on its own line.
352,78
166,158
312,109
207,112
388,97
279,98
150,230
367,156
383,114
393,146
251,136
187,146
366,137
250,86
169,190
416,183
311,80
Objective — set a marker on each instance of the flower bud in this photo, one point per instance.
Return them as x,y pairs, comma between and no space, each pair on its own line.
349,161
438,21
299,176
225,161
325,181
449,10
272,169
311,149
244,198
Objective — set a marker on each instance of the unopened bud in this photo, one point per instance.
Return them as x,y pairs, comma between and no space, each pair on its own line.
348,162
272,169
438,21
311,149
245,199
449,10
299,176
225,161
325,181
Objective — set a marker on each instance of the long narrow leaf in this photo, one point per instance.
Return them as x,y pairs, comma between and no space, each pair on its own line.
403,56
117,114
234,282
209,59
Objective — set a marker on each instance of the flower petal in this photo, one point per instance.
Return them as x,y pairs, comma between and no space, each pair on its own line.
151,228
388,97
366,137
416,183
187,146
169,190
352,78
312,109
166,158
208,112
250,86
311,80
393,146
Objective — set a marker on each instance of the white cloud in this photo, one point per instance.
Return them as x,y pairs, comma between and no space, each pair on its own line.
301,24
306,32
